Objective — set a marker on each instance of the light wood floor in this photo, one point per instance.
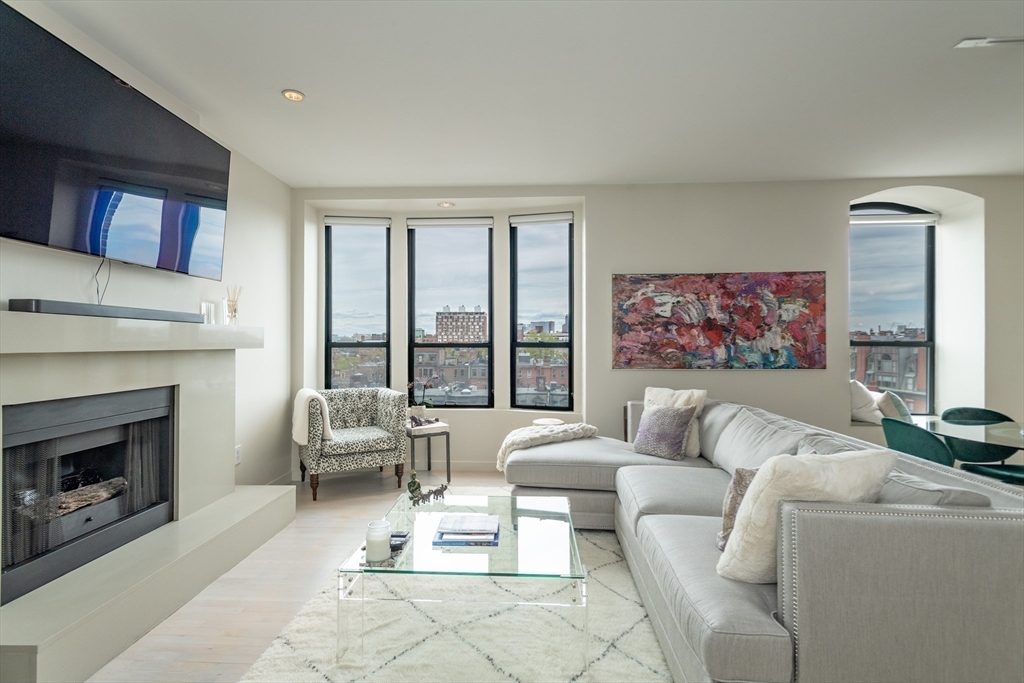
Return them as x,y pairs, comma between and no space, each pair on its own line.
222,631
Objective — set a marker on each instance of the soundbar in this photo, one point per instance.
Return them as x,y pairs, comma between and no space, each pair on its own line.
96,310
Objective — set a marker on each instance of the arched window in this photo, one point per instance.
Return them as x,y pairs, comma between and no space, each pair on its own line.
892,300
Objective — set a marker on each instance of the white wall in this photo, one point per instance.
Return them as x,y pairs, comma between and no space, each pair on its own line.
257,256
747,227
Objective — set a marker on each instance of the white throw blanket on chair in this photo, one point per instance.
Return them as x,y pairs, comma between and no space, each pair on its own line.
535,435
300,416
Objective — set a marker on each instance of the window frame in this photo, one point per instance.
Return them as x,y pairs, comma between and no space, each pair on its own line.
929,307
515,344
412,345
329,344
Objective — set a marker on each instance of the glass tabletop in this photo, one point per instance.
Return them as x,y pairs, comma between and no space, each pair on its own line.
535,539
997,434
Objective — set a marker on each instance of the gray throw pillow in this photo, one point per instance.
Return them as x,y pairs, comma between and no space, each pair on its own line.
733,497
906,489
663,431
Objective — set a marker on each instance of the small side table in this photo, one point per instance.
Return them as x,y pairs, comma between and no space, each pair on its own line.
425,432
548,421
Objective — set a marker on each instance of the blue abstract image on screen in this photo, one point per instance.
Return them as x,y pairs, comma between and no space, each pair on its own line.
150,229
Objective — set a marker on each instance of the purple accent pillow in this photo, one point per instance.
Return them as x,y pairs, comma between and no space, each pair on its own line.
663,431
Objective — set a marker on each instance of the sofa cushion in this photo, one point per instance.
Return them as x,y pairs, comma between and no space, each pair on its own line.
728,624
670,491
906,489
359,440
581,464
716,417
823,445
749,441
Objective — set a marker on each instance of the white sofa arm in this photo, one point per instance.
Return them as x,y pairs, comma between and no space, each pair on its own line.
634,409
902,592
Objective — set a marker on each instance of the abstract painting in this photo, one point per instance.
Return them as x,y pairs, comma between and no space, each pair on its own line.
720,320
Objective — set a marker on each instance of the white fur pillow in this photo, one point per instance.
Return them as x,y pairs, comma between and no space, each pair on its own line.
862,404
655,396
852,477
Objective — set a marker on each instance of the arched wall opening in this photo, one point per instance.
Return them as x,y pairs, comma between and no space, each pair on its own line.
959,288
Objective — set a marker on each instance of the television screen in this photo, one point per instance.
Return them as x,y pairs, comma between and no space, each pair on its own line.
92,165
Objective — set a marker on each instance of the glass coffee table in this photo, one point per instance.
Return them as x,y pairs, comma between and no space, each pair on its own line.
533,576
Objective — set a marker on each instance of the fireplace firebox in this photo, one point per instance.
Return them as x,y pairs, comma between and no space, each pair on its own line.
81,477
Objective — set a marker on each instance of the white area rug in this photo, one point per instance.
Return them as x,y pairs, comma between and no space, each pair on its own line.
480,642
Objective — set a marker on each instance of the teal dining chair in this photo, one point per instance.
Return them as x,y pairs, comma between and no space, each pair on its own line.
913,440
982,458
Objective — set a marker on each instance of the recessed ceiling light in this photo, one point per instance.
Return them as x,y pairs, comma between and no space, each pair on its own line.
987,42
446,205
293,95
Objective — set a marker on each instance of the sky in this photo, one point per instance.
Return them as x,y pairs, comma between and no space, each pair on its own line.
887,276
543,273
451,270
358,280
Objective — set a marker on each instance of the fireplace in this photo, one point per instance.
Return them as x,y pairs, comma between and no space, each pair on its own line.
81,477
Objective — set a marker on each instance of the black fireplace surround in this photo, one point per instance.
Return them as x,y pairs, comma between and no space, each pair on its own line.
81,477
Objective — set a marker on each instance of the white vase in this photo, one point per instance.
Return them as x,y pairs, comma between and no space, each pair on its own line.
418,411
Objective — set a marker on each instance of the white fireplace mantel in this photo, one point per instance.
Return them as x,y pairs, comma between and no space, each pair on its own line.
43,333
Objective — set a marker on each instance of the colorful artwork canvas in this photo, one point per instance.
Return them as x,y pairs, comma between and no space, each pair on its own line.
721,320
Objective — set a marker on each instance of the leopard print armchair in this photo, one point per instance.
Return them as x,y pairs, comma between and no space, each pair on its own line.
369,431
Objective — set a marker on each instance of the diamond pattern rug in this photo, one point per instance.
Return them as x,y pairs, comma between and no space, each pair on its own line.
479,641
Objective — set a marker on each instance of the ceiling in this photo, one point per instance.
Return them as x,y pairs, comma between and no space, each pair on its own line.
538,93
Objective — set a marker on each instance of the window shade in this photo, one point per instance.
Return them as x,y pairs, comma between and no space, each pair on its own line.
450,222
896,219
348,220
565,217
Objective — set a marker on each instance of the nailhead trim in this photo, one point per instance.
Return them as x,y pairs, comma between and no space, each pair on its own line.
793,547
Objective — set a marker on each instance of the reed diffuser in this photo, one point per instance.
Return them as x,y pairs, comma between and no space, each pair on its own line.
231,304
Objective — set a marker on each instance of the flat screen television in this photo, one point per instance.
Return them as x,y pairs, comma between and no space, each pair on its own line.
89,164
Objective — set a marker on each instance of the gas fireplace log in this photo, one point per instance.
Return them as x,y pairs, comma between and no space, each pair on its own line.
90,495
75,500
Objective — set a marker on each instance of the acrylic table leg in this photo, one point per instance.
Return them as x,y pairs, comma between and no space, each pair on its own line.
350,618
586,624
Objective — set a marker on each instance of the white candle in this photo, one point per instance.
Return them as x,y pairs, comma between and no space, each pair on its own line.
378,541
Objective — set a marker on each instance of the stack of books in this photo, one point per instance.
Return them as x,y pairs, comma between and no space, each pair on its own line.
467,530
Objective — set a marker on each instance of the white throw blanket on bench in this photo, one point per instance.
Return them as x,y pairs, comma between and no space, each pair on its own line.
525,437
300,416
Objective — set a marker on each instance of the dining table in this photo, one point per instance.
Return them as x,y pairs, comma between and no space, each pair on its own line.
993,433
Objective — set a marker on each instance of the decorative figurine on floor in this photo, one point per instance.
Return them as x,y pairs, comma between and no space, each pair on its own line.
414,489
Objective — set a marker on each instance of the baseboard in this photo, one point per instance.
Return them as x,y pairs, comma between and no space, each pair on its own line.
284,479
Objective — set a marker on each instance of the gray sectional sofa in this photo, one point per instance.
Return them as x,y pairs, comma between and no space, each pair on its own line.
925,586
